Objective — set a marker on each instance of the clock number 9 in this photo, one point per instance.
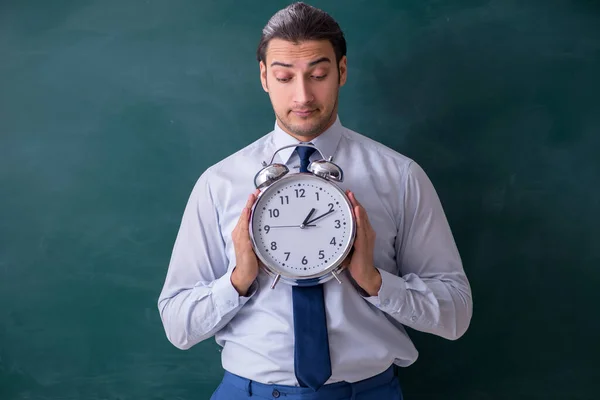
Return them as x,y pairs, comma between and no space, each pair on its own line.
267,228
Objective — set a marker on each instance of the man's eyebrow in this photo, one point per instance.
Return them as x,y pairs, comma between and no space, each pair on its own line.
280,63
310,64
320,60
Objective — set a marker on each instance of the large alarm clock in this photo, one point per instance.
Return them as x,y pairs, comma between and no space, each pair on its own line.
302,227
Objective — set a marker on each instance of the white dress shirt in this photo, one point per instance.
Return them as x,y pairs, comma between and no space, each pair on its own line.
423,283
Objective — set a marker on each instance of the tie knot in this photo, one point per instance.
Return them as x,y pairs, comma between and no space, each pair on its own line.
304,152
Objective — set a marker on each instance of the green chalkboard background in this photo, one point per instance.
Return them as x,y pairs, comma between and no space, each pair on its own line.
110,110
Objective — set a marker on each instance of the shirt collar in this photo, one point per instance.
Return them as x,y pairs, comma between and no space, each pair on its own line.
326,142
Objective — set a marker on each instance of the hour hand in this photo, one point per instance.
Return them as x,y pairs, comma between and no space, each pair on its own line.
305,222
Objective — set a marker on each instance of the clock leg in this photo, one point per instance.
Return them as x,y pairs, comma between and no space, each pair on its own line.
336,277
275,281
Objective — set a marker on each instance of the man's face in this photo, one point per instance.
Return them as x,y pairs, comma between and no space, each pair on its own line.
303,82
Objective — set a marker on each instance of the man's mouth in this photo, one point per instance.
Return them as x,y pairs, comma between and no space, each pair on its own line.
303,113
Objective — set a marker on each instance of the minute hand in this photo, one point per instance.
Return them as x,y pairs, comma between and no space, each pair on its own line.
319,217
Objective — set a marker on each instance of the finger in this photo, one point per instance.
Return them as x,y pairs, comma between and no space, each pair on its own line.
359,210
350,196
363,212
360,223
245,217
250,201
353,199
365,217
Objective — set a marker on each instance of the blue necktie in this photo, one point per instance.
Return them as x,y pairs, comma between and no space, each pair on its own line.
311,347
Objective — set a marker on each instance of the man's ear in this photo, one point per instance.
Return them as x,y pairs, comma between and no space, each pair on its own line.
343,70
263,76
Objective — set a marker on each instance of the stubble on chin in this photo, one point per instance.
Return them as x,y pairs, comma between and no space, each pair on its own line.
308,132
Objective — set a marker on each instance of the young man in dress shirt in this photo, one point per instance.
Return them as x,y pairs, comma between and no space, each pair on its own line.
405,269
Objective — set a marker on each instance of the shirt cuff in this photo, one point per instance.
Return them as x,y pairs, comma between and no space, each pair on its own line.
391,295
226,297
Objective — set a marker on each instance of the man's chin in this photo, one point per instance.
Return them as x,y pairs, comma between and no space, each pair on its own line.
304,131
308,127
309,130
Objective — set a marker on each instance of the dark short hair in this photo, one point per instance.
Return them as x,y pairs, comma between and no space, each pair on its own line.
299,22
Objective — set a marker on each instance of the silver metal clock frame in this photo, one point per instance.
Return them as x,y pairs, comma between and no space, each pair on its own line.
320,169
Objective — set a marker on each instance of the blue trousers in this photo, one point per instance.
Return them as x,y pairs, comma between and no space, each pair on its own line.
384,386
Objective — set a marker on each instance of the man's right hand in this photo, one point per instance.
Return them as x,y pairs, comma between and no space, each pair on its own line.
246,269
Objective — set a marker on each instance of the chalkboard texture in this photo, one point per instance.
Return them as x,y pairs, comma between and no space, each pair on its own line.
110,110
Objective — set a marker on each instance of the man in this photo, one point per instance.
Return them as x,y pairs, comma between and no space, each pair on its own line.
404,270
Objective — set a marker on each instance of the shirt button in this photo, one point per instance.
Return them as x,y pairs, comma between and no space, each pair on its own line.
276,393
413,318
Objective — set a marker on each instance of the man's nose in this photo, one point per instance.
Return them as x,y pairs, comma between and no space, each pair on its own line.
302,92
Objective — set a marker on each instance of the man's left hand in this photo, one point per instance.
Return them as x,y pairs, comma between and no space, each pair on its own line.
360,263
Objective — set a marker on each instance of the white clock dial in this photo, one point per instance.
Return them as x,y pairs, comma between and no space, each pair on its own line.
302,226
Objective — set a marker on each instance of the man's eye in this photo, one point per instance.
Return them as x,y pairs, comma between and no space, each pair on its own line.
319,77
283,80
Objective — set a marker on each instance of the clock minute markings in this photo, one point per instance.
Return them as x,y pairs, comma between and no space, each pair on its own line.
284,199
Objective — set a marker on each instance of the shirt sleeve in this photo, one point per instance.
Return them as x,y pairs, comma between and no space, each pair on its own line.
432,293
198,298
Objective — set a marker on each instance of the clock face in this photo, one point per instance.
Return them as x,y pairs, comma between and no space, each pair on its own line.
302,226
